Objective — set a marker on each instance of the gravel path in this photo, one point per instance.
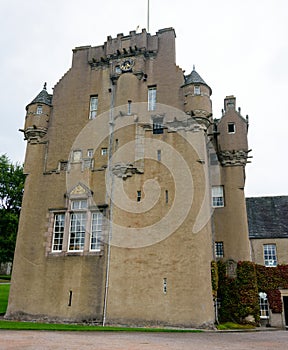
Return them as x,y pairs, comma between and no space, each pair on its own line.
34,340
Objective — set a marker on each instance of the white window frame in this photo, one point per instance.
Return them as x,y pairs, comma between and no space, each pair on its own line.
263,305
58,232
231,125
76,156
152,98
96,231
77,230
197,90
219,249
104,151
90,153
218,197
39,109
270,255
77,204
93,107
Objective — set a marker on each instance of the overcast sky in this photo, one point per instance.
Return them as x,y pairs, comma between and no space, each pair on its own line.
238,47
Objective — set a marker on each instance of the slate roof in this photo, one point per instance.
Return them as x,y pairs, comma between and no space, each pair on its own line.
194,78
43,97
267,217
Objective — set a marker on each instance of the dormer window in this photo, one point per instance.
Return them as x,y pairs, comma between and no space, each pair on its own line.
39,109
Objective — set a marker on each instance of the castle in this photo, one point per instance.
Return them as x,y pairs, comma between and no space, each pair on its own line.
132,189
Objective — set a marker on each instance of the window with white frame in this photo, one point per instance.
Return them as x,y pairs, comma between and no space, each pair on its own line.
197,90
79,204
93,107
270,255
264,306
39,109
219,249
217,196
152,91
77,231
96,231
58,232
104,151
90,153
76,156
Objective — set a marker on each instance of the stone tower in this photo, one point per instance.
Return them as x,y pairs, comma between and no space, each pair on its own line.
116,219
230,218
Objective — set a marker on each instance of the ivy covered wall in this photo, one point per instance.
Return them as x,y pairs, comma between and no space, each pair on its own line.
238,294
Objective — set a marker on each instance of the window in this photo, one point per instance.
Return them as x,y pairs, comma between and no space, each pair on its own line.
79,204
129,107
197,90
219,250
104,151
158,125
264,306
39,110
213,159
152,98
166,196
159,155
270,256
217,196
165,285
58,232
138,196
231,128
93,107
77,231
77,155
90,153
96,231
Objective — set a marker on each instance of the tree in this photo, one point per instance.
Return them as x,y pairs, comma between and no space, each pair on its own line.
11,192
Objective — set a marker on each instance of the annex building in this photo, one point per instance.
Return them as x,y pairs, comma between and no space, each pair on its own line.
133,187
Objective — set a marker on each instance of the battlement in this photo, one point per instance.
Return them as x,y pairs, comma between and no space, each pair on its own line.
122,46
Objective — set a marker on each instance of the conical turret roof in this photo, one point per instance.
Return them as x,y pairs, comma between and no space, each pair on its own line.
195,78
43,97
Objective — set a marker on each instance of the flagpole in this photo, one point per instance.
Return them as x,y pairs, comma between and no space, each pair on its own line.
148,10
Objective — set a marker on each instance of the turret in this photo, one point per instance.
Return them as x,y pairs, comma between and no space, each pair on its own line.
197,100
37,116
232,140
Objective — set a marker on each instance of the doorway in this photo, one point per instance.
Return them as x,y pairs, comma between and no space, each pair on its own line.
285,302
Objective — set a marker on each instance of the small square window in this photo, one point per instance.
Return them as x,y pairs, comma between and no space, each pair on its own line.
231,128
90,153
219,250
104,151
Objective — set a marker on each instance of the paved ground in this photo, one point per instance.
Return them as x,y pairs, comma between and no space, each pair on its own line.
35,340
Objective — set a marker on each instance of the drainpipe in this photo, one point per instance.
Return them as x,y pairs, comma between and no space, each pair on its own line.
111,180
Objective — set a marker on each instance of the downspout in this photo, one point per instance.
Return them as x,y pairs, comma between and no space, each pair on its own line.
111,180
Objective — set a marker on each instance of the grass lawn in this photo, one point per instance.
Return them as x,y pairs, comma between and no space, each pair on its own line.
77,327
4,294
231,325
